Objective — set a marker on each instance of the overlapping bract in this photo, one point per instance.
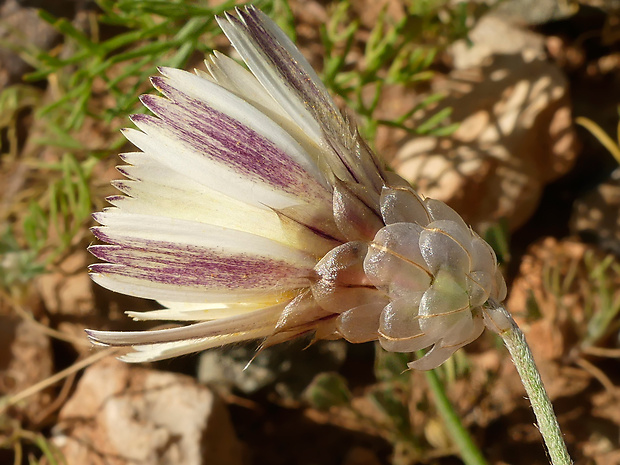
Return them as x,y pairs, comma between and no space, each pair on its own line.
256,211
438,274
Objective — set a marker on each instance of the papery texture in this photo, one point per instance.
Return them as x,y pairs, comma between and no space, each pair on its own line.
255,210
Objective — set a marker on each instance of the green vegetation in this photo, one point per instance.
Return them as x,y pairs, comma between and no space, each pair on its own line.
398,52
93,80
101,67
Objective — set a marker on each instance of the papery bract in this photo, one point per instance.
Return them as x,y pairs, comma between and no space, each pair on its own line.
255,210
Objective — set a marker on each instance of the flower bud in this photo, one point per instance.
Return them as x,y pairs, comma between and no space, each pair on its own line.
255,211
436,272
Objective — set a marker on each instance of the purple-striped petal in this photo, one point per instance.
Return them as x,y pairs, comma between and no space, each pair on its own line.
234,148
289,78
280,68
232,76
185,261
200,204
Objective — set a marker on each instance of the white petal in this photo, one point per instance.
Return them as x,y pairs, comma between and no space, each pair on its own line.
192,202
166,343
199,312
165,258
219,152
163,351
191,92
238,80
295,85
289,78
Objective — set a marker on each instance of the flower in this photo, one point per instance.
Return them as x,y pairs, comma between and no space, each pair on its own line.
255,211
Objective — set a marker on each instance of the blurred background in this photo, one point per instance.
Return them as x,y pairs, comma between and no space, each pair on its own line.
506,110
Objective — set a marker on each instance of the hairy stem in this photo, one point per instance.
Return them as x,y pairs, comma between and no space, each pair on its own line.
498,319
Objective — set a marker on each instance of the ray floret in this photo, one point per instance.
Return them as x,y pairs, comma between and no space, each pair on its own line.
253,210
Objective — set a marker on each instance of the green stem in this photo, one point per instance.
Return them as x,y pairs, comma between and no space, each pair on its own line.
470,453
498,318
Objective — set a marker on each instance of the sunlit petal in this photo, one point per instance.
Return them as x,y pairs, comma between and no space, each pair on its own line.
255,210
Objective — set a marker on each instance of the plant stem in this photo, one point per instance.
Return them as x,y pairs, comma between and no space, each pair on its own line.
470,453
499,319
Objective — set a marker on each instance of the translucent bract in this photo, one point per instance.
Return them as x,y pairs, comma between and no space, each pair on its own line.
254,211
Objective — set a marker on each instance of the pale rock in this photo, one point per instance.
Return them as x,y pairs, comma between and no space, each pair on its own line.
515,136
66,293
533,12
493,35
123,414
68,290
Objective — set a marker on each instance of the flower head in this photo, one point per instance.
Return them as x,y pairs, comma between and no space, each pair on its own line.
255,211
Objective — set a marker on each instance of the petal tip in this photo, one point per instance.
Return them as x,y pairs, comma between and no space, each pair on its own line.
94,337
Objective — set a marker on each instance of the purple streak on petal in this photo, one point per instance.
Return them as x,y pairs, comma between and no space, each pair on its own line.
97,217
186,265
225,140
311,91
356,157
123,186
121,169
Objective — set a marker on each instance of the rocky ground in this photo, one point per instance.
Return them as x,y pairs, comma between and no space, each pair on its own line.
518,158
